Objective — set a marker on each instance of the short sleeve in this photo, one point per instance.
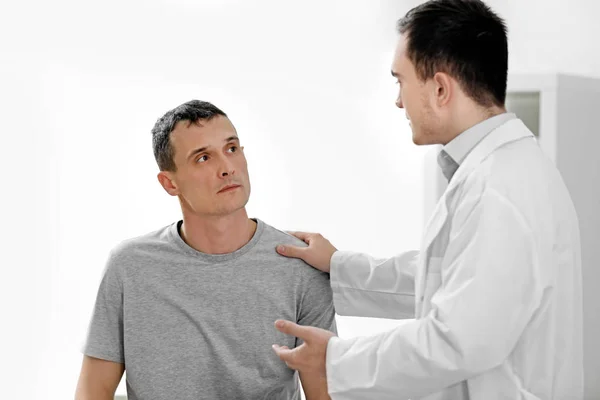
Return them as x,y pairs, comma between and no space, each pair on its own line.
316,304
105,332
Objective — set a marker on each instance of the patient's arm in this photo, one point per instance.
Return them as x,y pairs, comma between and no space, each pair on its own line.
315,386
98,379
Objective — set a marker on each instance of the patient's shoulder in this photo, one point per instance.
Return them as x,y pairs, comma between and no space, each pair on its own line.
282,237
277,236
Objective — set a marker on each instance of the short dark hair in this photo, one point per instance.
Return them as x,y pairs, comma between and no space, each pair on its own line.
463,38
192,111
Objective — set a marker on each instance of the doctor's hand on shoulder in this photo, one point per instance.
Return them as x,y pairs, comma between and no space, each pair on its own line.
318,253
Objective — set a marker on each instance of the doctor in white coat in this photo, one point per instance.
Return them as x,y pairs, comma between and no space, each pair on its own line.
493,297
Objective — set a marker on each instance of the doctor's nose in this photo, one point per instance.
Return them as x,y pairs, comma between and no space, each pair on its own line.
399,103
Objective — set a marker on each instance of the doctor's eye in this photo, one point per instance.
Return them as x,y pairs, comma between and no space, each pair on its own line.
202,159
233,149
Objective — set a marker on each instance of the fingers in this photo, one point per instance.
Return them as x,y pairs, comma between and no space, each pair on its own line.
286,355
294,251
301,235
291,251
283,352
289,328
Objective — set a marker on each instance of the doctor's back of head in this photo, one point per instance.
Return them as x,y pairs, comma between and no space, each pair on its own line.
451,63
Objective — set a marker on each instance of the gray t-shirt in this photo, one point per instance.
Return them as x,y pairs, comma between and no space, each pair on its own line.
189,325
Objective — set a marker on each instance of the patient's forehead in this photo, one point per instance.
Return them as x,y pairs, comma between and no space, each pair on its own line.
204,133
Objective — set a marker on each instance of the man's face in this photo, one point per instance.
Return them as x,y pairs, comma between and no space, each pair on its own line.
209,160
414,97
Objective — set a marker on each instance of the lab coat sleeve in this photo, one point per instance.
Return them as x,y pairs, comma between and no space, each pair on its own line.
367,287
490,288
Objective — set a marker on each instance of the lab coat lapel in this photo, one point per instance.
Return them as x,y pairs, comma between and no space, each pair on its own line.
432,229
435,224
508,132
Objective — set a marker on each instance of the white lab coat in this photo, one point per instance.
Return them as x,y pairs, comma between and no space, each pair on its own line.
494,295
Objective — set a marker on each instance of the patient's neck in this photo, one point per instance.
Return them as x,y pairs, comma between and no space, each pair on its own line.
217,234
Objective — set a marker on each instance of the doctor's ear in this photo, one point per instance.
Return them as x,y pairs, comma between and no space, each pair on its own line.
168,183
443,85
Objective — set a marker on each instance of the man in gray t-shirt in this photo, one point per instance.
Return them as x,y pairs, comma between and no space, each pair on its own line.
188,310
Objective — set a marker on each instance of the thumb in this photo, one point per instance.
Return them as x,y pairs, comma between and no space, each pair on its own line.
292,329
291,251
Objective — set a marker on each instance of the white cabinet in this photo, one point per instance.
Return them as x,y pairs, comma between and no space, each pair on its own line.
563,112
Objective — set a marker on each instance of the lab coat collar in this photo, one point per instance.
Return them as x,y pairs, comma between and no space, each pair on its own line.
510,131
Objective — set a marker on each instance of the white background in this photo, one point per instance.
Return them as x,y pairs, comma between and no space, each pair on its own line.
307,85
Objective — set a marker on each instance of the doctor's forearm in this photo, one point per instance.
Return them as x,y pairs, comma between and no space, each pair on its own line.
314,386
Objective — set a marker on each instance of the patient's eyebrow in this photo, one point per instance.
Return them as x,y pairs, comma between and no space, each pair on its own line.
204,148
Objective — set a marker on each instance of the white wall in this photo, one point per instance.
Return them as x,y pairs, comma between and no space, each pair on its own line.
307,85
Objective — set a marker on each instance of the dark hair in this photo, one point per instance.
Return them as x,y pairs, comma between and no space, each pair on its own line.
463,38
192,111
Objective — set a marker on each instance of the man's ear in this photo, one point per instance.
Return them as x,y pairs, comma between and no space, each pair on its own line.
444,88
167,181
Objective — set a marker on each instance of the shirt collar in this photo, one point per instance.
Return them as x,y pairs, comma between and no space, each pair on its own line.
459,147
454,153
